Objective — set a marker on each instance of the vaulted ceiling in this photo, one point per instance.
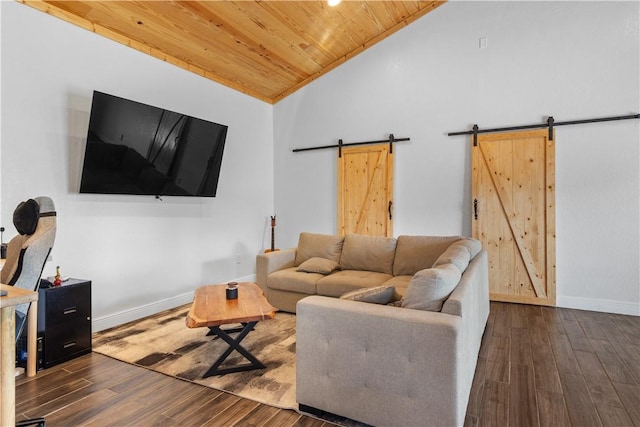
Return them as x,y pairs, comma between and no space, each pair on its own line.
266,49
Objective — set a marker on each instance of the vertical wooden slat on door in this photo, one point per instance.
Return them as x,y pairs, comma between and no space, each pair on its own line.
514,191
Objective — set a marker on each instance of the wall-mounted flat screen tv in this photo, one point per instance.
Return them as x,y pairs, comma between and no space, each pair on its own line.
133,148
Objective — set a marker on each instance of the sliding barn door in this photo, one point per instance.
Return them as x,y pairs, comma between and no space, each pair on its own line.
365,191
513,214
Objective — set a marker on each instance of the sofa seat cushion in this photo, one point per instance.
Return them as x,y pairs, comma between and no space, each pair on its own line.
415,253
312,245
291,280
368,253
341,282
429,288
400,283
375,295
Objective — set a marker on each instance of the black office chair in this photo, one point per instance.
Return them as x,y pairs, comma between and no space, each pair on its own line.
27,254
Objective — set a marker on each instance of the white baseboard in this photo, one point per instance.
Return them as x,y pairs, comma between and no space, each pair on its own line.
135,313
606,306
125,316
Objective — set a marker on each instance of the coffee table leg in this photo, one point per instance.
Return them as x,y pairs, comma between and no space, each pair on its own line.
228,331
234,344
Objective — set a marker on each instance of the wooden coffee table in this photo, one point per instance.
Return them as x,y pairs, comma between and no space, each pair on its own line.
212,309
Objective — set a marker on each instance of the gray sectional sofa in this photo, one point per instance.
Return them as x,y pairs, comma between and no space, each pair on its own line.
406,364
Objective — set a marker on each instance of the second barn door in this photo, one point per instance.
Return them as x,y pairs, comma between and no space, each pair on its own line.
365,190
514,215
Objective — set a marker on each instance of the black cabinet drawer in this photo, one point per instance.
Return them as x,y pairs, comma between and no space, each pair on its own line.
65,341
61,304
67,304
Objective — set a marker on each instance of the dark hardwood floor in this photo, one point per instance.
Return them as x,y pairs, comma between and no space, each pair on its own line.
538,366
542,366
95,390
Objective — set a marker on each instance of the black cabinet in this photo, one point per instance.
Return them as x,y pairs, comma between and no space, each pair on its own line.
64,322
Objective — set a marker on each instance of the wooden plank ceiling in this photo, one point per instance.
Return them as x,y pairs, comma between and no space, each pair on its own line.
266,49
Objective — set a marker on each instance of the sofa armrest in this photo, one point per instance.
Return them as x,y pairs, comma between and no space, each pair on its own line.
377,364
269,262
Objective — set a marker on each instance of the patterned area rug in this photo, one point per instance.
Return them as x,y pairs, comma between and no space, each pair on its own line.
163,343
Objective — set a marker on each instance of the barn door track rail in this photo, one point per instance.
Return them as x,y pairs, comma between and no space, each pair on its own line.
550,123
341,144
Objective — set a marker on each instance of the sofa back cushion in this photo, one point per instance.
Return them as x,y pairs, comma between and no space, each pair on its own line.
474,246
460,253
429,288
415,253
312,245
368,253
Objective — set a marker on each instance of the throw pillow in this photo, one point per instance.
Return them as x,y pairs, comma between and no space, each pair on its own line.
429,288
318,265
376,295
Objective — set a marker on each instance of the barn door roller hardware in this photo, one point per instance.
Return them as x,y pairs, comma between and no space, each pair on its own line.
550,123
341,144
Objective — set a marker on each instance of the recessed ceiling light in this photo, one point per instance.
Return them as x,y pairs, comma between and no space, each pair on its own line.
333,2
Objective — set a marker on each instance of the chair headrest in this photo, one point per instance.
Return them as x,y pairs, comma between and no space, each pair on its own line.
47,208
26,215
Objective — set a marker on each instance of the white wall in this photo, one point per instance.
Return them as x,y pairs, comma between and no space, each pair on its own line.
142,254
571,60
1,223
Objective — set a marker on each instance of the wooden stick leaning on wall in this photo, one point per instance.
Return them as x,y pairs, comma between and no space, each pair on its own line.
273,241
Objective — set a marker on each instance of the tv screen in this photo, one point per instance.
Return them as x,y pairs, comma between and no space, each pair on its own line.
133,148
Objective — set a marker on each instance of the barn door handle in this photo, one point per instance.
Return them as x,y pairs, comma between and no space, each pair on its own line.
390,207
475,209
